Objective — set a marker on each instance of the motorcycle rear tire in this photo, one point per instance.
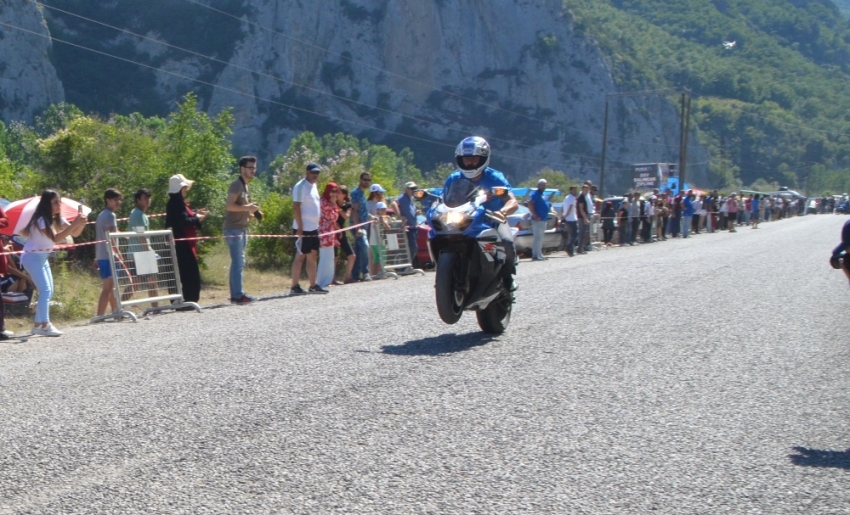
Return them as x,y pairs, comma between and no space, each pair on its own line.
449,306
494,319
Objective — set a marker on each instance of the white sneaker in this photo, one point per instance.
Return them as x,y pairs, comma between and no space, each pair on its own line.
46,331
8,334
51,331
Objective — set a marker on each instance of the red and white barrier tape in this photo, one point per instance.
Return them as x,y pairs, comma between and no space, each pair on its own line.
155,215
198,238
206,238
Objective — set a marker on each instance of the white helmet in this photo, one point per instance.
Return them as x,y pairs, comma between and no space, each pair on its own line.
473,146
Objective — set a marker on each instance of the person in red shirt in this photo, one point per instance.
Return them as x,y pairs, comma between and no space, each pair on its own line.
328,215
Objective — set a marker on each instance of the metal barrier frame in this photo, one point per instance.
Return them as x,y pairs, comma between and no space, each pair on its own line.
403,264
120,280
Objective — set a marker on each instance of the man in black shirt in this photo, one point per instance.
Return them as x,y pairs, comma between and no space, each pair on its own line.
583,217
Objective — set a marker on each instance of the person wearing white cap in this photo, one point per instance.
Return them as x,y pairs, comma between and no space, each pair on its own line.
184,223
379,251
376,194
539,207
407,212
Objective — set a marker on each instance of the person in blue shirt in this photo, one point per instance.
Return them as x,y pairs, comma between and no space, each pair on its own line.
360,215
687,213
473,157
407,212
539,207
839,253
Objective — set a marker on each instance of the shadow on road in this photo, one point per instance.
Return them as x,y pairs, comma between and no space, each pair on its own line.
436,345
818,458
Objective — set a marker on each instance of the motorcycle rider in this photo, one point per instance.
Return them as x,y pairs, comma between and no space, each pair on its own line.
472,156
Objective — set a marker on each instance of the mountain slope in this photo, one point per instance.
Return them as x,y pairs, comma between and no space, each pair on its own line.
421,75
774,106
843,7
531,76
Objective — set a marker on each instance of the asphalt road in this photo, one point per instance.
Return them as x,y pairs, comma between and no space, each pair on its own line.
704,375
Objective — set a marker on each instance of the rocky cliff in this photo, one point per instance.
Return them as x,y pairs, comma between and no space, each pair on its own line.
28,80
411,74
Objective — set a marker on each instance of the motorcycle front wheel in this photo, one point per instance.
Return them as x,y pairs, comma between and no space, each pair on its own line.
494,319
449,296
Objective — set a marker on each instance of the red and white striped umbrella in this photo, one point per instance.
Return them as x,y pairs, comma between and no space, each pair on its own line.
20,213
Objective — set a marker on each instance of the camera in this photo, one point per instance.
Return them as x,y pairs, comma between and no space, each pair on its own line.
258,215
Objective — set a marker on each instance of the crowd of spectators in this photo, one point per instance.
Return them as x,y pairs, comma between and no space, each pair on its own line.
320,244
649,217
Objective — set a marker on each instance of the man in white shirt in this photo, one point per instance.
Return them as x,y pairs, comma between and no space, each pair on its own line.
306,210
648,217
568,216
591,212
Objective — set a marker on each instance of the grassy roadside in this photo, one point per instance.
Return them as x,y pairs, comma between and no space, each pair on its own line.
78,289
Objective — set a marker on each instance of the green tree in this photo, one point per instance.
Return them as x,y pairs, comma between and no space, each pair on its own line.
555,179
198,146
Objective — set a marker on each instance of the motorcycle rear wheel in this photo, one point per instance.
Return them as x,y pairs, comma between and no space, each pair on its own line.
494,319
449,298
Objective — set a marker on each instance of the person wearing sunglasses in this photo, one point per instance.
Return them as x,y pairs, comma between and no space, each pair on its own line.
239,212
359,215
306,210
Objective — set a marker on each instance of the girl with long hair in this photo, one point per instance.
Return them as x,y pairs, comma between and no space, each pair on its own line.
343,201
45,229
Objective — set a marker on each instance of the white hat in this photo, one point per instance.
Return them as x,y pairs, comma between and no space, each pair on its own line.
380,205
376,188
178,182
542,181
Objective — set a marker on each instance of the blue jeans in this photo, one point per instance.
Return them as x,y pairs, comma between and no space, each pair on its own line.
686,225
538,228
237,240
412,244
583,228
361,251
39,269
676,226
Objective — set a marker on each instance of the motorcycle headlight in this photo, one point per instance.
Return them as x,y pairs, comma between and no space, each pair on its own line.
455,220
454,217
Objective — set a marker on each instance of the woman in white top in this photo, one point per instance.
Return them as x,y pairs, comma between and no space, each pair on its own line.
45,229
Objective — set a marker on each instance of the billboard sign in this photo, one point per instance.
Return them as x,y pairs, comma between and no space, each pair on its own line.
645,176
649,176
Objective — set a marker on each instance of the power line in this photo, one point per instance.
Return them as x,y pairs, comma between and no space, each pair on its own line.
256,97
281,80
429,86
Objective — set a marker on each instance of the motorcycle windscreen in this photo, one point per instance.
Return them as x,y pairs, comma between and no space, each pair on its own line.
459,192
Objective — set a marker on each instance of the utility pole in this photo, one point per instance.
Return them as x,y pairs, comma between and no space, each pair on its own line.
604,151
684,128
685,124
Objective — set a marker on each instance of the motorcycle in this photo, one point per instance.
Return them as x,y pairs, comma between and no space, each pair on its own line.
470,253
